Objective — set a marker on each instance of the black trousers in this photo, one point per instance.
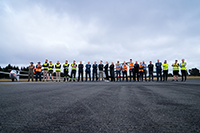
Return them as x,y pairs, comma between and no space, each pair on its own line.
183,72
132,74
112,74
80,74
165,75
145,74
73,74
87,73
125,73
94,74
150,75
66,75
106,72
136,74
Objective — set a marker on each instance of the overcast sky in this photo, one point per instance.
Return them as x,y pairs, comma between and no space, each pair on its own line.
108,30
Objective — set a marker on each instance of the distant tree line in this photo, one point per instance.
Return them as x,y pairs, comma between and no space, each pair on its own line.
8,68
194,72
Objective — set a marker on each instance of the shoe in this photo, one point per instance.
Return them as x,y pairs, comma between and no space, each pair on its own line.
172,80
176,80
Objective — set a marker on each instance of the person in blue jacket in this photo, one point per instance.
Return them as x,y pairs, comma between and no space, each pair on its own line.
87,71
94,72
159,70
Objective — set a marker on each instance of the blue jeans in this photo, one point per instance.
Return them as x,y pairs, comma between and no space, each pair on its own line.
159,74
88,73
36,76
118,73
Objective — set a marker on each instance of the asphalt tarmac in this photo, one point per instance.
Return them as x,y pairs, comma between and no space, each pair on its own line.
91,107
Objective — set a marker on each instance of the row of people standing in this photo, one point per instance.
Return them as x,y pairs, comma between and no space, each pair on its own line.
136,70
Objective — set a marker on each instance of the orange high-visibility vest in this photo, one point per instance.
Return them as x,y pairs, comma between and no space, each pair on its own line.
118,66
38,68
131,66
124,67
141,68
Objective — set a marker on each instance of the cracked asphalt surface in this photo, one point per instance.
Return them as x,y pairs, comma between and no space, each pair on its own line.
92,107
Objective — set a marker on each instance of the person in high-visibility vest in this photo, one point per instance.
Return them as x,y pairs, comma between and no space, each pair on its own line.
165,70
45,70
183,69
175,70
118,70
38,71
73,71
30,71
58,66
131,70
124,71
50,71
141,70
66,70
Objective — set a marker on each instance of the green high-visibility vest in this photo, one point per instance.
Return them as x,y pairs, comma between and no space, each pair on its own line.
175,68
73,66
183,67
57,67
66,66
45,66
50,67
165,66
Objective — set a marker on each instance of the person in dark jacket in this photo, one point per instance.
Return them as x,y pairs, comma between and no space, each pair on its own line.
159,70
94,72
150,67
88,71
112,72
136,67
80,71
101,70
106,70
